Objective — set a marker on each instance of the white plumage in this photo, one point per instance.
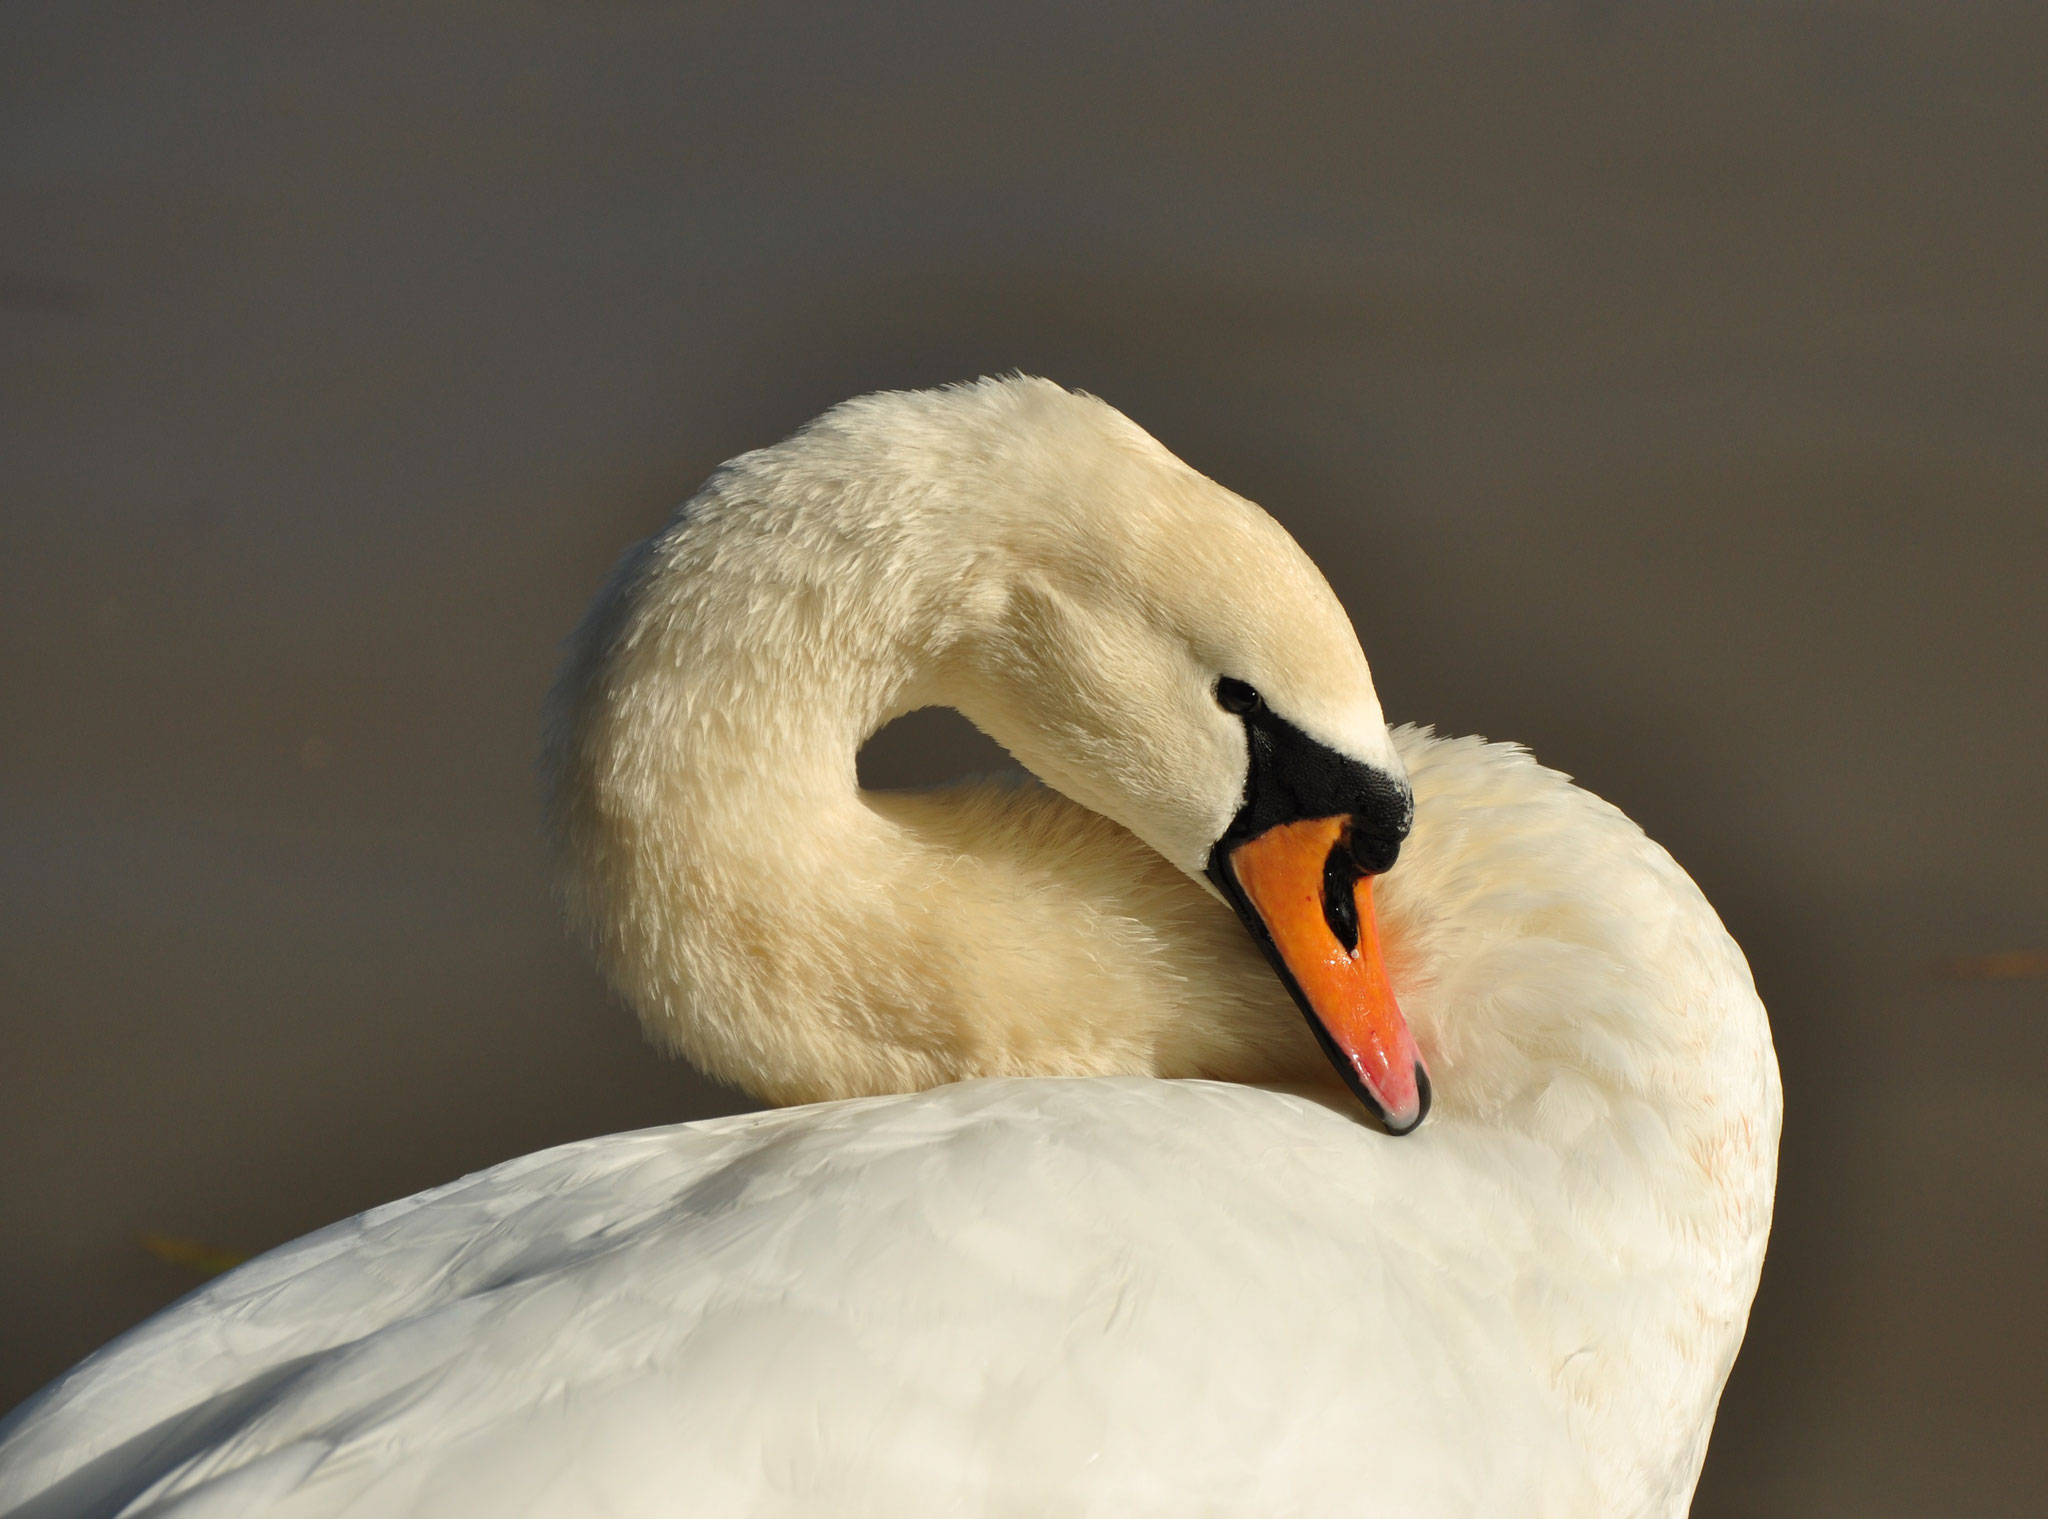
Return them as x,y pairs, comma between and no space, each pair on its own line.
1115,1296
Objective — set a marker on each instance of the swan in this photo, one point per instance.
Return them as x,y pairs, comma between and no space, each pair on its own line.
1262,1111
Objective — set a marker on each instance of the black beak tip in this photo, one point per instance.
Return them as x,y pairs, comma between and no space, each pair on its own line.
1421,1105
1372,1104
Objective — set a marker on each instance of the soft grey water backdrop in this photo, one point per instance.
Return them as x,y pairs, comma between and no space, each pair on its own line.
1663,386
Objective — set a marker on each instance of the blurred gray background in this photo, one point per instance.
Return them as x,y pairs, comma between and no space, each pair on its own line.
1663,386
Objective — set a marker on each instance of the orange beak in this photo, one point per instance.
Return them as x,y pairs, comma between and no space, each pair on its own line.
1315,908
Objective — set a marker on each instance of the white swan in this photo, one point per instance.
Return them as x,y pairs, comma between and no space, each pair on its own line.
1115,1297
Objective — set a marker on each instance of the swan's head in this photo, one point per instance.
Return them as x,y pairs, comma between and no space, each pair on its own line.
1163,651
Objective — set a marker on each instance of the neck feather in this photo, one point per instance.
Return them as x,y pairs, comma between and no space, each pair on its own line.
804,939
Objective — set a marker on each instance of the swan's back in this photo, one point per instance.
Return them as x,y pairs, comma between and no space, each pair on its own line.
1077,1296
1105,1296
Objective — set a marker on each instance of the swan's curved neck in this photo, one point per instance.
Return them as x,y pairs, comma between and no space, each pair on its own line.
807,940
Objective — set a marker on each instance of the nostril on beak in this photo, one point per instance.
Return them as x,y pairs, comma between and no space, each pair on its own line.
1374,853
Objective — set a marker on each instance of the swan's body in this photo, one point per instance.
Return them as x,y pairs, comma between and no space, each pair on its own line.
1089,1297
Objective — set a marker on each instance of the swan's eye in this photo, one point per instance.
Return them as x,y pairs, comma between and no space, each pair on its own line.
1234,695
